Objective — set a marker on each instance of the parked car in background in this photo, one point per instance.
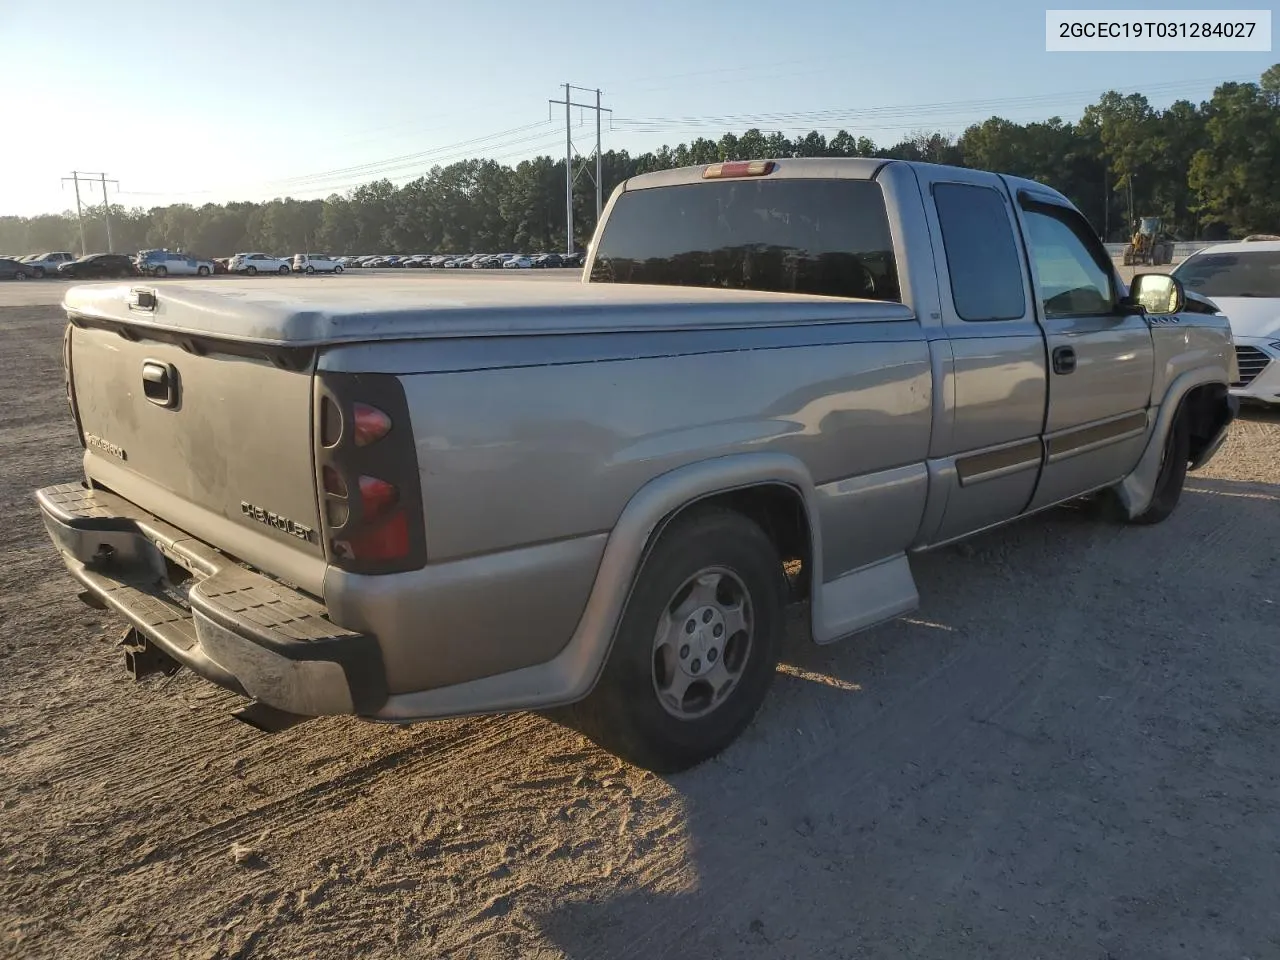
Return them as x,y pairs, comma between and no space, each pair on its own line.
42,264
546,261
415,262
162,263
1243,279
316,263
99,266
518,262
11,269
254,263
455,263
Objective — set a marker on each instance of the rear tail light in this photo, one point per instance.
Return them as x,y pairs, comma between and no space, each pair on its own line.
368,474
376,497
371,424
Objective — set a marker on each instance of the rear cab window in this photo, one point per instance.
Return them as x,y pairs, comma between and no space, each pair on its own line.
981,253
828,237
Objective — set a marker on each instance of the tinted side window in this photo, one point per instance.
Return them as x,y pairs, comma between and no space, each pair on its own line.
1073,281
982,257
826,237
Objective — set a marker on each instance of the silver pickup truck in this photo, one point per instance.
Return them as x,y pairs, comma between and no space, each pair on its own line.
416,498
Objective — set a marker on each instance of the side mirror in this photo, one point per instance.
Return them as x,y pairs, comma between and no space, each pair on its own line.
1157,293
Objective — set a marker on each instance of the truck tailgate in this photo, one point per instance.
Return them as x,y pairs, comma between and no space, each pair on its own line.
218,444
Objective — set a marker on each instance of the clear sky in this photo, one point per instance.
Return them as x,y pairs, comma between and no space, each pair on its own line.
250,99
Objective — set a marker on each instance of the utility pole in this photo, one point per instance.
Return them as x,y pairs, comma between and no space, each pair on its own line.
76,177
599,159
1106,208
106,207
569,175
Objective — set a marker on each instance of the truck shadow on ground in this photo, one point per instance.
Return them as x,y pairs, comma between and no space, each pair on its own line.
1063,753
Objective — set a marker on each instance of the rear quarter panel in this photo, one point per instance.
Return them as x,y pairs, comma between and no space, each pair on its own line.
517,456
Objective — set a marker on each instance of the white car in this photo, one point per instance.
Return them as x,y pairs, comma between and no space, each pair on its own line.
520,262
1243,279
316,263
253,263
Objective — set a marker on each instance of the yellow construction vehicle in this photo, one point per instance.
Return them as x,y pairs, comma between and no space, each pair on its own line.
1149,244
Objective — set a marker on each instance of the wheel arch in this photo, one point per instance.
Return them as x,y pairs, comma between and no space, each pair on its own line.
755,482
1201,392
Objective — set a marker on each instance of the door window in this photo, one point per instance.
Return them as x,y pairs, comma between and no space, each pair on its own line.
1073,280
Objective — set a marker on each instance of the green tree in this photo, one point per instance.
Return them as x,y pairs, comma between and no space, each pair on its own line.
1235,175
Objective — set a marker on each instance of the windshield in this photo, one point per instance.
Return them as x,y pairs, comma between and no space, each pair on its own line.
1252,274
826,237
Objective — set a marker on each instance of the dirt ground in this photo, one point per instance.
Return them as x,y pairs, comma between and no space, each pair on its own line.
1069,751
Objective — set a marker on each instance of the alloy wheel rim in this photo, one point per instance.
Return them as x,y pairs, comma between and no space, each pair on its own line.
702,643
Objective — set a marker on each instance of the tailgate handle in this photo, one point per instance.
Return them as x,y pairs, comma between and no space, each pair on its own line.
160,383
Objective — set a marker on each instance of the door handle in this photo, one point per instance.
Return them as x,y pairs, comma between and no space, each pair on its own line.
1064,360
160,383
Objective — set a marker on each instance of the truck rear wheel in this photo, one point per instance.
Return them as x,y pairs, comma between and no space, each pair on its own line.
697,647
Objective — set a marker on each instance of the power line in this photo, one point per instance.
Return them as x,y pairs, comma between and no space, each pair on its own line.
389,167
902,110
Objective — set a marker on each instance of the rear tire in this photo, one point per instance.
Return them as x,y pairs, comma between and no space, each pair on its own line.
38,272
668,704
20,275
310,270
161,271
1172,476
251,270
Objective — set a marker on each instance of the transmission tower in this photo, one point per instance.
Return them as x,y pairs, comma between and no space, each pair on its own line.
569,150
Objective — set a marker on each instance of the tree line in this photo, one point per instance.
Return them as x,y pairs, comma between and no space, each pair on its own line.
1211,170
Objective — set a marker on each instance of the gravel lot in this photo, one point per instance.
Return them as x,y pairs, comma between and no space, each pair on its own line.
1068,752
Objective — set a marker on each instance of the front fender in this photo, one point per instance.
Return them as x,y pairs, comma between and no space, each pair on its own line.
1136,490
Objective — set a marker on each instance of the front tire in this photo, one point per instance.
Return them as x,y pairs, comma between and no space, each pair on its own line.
38,272
284,270
697,647
310,270
337,270
202,271
1172,476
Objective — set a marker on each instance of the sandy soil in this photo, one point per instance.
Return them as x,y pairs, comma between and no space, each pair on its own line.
1068,752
